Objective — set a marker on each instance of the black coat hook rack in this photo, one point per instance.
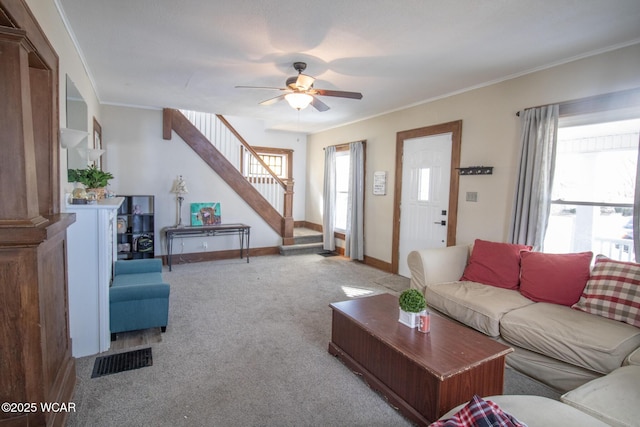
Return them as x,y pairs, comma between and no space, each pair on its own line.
476,170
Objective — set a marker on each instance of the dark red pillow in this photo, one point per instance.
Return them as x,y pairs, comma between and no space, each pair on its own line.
495,264
554,278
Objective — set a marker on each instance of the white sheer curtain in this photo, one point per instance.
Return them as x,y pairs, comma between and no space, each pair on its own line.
329,196
533,188
354,236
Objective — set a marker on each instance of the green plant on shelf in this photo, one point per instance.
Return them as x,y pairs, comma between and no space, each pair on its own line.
91,177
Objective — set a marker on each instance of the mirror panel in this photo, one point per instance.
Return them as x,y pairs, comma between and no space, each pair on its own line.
77,118
97,142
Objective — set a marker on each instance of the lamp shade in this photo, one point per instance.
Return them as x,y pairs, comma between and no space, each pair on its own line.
179,186
299,101
71,137
92,154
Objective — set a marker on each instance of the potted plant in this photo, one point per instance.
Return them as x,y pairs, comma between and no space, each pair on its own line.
92,178
412,303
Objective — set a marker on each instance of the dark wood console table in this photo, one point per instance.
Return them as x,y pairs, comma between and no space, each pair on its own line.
242,230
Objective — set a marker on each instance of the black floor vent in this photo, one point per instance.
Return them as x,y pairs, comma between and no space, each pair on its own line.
121,362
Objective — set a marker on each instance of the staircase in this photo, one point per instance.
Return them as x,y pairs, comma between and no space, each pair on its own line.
306,241
229,155
213,138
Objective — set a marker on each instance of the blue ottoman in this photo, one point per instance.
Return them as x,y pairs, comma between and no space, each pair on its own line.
138,296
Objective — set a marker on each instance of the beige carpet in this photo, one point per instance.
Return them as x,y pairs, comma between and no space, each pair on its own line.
246,345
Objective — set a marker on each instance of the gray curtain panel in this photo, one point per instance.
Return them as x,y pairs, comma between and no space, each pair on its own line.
636,212
533,187
354,243
329,196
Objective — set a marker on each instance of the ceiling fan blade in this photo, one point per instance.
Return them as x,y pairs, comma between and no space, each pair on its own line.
338,93
319,105
272,101
262,87
304,82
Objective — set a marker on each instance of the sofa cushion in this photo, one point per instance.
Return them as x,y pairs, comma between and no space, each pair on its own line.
613,398
613,291
494,263
476,305
557,374
554,278
137,279
575,337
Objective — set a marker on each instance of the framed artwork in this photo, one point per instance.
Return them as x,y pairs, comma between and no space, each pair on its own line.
380,183
205,214
97,141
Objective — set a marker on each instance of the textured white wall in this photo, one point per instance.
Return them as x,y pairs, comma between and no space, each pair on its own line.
490,131
144,163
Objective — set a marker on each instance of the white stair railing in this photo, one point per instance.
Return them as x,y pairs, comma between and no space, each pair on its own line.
241,156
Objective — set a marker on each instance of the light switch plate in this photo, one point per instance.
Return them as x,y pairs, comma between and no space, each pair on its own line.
472,196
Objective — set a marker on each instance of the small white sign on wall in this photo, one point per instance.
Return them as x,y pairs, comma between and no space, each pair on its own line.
379,183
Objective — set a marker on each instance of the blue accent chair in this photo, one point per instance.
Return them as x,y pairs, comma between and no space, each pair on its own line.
138,296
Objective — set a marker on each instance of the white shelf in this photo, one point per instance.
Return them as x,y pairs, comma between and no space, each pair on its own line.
91,253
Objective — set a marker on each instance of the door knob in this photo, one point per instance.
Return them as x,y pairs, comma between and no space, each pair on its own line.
443,222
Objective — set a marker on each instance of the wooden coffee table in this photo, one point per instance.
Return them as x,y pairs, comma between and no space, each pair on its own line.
423,375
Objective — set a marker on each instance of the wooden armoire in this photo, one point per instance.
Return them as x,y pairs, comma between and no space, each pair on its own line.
36,365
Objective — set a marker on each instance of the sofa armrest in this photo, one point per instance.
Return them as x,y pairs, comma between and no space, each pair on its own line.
134,266
437,265
633,358
138,292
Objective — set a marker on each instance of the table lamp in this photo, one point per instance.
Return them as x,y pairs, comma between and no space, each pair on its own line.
179,188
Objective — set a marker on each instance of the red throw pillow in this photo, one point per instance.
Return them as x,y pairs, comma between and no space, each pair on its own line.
554,278
494,263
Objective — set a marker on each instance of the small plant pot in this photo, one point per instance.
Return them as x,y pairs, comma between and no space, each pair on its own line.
99,192
407,318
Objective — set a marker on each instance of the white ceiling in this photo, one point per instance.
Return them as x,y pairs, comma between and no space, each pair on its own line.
192,53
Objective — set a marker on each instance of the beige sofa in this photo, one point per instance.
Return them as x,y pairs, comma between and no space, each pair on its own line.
569,350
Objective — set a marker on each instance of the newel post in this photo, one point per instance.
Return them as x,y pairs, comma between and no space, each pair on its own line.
287,222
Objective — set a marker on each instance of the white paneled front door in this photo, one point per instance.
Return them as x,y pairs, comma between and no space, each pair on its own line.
426,171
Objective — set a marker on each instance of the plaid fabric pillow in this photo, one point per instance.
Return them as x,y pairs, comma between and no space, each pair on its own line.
613,291
479,413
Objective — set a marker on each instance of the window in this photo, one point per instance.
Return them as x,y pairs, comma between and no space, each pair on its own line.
342,189
424,184
277,163
278,159
593,188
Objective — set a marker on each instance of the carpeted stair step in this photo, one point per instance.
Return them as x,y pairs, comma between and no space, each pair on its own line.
308,238
301,248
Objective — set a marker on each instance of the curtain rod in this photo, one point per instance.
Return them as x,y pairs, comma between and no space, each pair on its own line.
529,108
346,144
597,103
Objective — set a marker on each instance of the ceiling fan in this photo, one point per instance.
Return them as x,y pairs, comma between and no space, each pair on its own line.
299,91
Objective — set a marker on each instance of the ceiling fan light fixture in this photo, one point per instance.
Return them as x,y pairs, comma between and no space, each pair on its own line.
299,101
